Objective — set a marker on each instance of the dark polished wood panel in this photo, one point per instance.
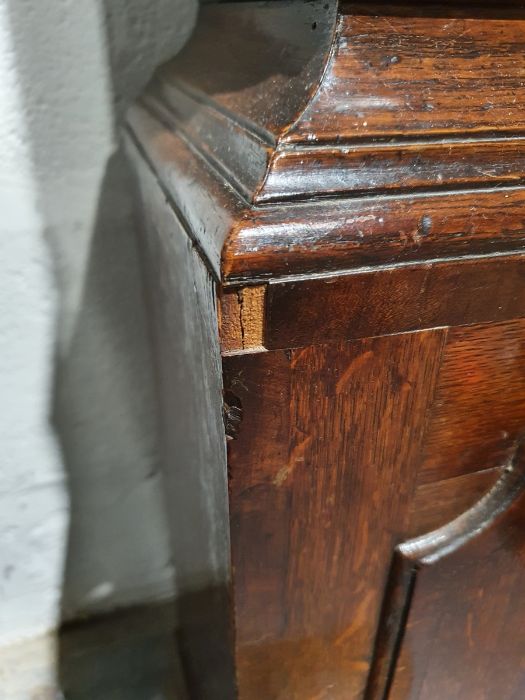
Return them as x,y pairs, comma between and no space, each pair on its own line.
205,205
437,503
394,300
260,502
328,436
383,168
480,401
274,241
438,57
460,632
382,120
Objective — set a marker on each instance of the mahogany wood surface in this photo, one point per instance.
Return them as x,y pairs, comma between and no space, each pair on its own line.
394,300
348,181
271,241
330,235
419,106
479,409
311,499
327,435
385,167
268,58
457,602
437,503
461,72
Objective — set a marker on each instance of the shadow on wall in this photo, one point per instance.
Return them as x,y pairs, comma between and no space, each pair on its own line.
79,66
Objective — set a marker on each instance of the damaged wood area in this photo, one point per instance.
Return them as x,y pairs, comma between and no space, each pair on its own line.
241,319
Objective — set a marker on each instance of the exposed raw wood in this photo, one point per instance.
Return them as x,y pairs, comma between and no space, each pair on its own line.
242,315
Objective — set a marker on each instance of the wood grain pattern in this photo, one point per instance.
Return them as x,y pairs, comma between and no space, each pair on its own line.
350,176
267,124
297,172
259,502
319,236
321,451
236,113
437,503
460,70
394,300
464,636
241,319
480,401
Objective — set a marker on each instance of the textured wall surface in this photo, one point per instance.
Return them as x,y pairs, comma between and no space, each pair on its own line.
82,517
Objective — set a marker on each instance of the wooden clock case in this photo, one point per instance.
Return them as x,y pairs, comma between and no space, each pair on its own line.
334,223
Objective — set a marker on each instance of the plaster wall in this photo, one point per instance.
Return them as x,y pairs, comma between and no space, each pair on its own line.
82,517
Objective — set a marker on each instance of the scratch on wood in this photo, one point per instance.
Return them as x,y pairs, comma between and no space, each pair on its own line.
356,364
297,455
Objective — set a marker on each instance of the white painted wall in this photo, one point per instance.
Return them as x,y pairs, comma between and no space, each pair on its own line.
82,520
